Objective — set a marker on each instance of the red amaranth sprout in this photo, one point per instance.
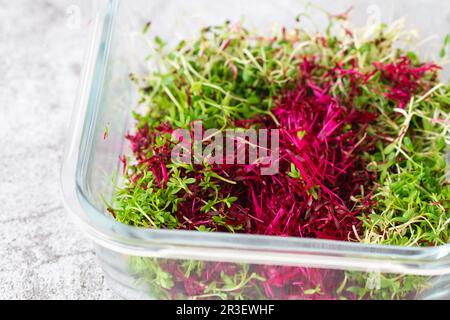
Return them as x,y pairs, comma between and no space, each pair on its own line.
321,173
273,282
322,140
323,186
321,170
404,78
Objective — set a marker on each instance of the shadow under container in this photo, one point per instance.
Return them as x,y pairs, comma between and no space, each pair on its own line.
162,264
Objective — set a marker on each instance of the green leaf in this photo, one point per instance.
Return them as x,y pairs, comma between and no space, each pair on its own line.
413,56
390,148
443,51
190,181
159,42
408,143
146,27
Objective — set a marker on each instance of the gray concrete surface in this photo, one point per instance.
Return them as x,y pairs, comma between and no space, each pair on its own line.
42,254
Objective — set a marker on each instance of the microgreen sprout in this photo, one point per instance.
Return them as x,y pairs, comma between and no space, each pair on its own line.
363,136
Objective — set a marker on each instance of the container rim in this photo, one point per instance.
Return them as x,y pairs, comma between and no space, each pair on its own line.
108,232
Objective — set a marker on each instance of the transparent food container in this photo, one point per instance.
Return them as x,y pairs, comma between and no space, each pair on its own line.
154,264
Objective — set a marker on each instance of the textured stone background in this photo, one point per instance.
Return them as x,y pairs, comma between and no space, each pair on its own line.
42,255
